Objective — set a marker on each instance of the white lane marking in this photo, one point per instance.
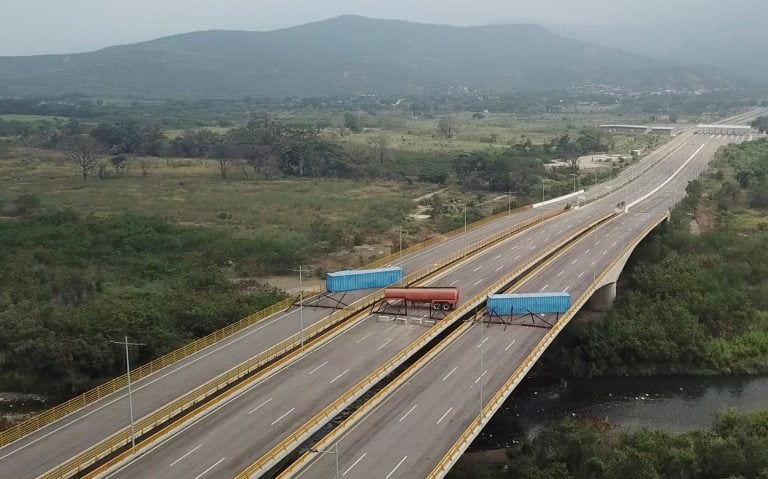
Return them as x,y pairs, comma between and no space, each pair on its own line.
477,282
581,274
262,404
605,252
409,412
354,464
587,251
281,417
317,368
533,246
567,288
518,256
497,257
481,343
614,243
209,469
385,343
185,455
477,269
529,239
575,261
509,345
499,268
560,273
480,377
559,232
337,377
362,339
398,465
597,243
443,416
593,263
452,370
545,287
513,248
454,282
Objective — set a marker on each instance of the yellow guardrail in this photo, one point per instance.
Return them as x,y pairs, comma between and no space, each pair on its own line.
57,412
78,402
118,440
469,434
308,428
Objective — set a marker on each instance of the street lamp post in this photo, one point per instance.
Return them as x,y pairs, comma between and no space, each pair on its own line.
301,270
401,254
130,392
335,452
465,228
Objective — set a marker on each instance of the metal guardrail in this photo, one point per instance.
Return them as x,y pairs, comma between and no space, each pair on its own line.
184,403
83,400
449,459
308,428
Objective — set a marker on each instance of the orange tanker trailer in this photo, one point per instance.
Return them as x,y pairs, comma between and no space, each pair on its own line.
438,298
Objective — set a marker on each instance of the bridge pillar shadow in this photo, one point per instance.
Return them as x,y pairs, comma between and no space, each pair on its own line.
603,298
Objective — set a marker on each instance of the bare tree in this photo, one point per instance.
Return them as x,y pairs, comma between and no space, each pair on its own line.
146,166
85,153
224,164
447,126
381,145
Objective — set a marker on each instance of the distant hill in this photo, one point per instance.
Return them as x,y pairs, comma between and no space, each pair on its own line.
343,56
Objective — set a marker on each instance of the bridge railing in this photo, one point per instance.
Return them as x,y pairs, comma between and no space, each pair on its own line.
115,442
496,401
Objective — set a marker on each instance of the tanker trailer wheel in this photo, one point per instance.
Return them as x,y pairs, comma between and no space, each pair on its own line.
446,306
436,306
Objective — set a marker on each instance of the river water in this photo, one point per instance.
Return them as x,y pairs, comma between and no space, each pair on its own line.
668,403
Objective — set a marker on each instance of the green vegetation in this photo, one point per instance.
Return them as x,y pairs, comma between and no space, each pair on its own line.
736,446
72,283
695,299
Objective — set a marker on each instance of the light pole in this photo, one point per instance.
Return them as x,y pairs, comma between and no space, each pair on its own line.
301,270
130,393
542,190
482,363
574,181
401,254
465,228
334,452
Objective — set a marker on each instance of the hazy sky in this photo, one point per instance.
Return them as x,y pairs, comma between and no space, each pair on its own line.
54,26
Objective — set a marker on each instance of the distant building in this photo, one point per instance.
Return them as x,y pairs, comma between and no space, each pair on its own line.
626,129
724,129
662,130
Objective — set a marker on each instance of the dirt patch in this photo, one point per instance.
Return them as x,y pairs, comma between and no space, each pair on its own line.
703,221
496,456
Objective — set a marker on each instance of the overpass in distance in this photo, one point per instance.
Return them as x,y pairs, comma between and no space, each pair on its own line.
303,379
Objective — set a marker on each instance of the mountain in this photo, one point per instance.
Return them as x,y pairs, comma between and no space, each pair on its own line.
347,55
735,40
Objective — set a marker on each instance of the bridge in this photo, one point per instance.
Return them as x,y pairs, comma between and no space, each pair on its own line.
243,399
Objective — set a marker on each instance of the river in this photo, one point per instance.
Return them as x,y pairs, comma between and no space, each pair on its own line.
668,403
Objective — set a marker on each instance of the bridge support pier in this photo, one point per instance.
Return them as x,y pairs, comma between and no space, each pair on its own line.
603,298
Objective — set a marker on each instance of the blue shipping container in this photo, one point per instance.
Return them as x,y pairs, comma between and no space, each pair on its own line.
362,279
538,303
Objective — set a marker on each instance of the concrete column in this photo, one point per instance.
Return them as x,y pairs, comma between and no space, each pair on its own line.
603,298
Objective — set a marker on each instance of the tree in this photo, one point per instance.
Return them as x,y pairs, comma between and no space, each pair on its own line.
761,124
85,153
447,126
381,146
352,122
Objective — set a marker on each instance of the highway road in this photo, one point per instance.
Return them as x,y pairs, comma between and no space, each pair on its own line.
57,442
273,409
281,409
407,434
